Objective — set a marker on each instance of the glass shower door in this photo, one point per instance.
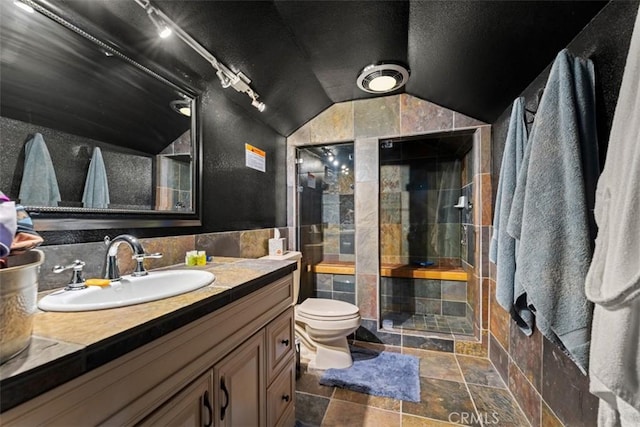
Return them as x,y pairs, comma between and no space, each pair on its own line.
325,212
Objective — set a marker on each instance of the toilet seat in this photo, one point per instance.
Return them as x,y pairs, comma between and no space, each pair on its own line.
327,310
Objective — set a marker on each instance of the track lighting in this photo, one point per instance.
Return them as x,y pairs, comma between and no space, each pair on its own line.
228,78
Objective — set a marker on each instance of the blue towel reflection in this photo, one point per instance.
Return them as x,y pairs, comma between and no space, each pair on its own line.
96,187
39,186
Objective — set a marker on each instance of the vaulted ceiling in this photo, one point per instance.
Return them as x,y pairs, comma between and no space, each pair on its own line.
474,57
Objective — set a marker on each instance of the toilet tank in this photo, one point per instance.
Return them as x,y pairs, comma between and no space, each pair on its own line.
290,256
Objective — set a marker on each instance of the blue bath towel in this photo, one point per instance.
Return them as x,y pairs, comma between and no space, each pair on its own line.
509,294
96,186
39,186
552,210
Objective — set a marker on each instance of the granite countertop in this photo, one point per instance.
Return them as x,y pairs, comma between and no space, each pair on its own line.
67,345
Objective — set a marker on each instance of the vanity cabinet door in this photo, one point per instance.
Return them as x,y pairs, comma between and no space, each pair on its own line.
239,385
193,406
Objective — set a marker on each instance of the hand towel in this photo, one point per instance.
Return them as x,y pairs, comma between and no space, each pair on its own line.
96,186
39,186
503,248
613,281
551,211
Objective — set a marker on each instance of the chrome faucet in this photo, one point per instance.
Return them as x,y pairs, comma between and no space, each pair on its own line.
111,270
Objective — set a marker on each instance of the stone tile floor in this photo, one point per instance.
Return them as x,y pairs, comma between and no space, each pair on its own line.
455,390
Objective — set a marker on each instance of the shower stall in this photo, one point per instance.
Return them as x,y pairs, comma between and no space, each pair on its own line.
425,228
426,187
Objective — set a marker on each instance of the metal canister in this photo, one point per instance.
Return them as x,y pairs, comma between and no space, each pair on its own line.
18,302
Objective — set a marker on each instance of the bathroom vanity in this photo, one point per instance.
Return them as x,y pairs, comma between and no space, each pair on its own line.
222,355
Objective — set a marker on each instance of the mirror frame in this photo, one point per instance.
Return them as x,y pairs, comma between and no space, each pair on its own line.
66,218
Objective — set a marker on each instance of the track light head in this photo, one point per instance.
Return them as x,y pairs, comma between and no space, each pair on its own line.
164,30
259,105
225,82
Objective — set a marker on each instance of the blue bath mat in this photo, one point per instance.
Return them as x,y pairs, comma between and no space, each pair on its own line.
378,373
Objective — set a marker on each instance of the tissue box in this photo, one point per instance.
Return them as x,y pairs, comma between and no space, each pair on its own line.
277,246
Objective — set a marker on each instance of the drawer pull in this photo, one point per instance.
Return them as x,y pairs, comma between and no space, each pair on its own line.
285,342
207,404
223,410
286,397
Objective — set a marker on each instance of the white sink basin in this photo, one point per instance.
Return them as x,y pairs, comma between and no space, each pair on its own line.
128,291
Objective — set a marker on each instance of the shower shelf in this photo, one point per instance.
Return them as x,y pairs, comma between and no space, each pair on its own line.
413,272
396,270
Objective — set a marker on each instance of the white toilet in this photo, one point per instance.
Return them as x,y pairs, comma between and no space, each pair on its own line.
322,325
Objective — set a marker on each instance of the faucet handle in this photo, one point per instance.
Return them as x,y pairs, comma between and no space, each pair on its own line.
140,270
77,280
140,257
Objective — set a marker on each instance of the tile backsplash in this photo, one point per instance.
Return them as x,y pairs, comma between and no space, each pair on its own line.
242,244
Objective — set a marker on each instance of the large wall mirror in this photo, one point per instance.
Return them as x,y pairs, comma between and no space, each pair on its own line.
89,137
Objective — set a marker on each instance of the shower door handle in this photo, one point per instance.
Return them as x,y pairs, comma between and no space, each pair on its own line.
463,241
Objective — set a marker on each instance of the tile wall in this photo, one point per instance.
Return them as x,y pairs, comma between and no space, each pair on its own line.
540,376
336,286
422,296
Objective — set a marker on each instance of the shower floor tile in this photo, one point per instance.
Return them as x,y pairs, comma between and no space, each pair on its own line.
430,323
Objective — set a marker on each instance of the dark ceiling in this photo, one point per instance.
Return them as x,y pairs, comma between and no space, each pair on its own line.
473,57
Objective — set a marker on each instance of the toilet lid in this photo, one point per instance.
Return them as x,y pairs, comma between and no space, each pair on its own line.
327,309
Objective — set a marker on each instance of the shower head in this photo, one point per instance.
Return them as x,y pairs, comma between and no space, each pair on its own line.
463,203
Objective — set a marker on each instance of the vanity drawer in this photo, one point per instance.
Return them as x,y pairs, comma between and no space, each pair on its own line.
281,396
280,343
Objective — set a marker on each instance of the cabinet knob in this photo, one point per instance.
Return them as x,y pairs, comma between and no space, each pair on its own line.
286,397
285,342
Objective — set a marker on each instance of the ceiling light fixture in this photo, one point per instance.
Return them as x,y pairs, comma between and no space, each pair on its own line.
22,5
237,80
382,77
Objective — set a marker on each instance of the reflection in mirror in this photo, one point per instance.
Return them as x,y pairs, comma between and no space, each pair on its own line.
85,129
